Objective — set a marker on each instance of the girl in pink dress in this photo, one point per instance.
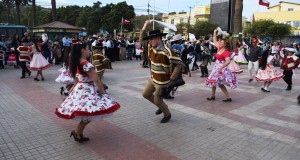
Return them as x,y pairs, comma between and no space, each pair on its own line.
87,99
221,75
38,62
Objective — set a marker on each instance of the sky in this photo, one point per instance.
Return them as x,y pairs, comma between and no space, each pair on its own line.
165,6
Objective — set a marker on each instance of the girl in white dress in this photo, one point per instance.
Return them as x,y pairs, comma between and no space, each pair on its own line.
38,62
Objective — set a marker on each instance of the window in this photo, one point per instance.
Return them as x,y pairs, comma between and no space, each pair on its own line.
181,20
290,9
172,21
296,24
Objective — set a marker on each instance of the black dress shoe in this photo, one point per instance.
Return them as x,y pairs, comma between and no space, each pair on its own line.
22,77
169,97
83,138
227,100
43,79
76,137
250,80
61,90
166,119
288,88
36,79
158,112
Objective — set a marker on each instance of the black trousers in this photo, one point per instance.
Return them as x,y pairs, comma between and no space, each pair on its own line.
24,68
288,77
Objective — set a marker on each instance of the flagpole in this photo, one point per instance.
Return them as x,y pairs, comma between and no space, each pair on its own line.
122,27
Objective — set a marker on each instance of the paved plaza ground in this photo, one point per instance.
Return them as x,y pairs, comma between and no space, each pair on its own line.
255,126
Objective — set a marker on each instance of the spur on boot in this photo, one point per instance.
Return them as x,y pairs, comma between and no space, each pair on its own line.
76,137
211,98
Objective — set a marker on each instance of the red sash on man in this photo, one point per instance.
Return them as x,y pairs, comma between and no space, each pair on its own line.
24,54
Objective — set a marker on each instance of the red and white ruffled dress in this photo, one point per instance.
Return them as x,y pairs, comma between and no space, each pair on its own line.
270,73
64,76
38,61
226,77
84,102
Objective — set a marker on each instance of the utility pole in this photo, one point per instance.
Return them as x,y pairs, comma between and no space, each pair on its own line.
189,21
148,11
153,12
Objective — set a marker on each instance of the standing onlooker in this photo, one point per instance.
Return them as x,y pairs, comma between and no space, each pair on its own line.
45,48
15,44
66,48
122,49
138,48
130,49
275,52
205,60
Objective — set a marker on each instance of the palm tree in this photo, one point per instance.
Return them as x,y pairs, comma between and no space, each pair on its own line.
8,4
18,3
33,13
53,3
237,24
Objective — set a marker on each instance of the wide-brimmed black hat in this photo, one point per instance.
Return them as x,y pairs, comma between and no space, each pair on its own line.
154,33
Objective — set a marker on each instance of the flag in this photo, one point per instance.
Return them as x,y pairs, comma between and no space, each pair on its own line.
264,3
125,21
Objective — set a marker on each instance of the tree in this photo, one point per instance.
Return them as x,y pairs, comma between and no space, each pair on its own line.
53,4
264,28
96,5
33,13
112,20
237,24
18,3
8,4
181,28
68,14
279,30
203,28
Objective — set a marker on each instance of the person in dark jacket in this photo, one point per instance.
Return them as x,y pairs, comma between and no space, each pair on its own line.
255,53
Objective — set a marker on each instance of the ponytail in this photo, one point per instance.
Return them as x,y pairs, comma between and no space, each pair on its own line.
264,59
75,58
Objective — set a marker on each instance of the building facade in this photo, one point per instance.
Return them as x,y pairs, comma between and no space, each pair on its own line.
198,13
284,12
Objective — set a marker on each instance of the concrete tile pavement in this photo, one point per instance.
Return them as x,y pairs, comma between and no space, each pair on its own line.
254,126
